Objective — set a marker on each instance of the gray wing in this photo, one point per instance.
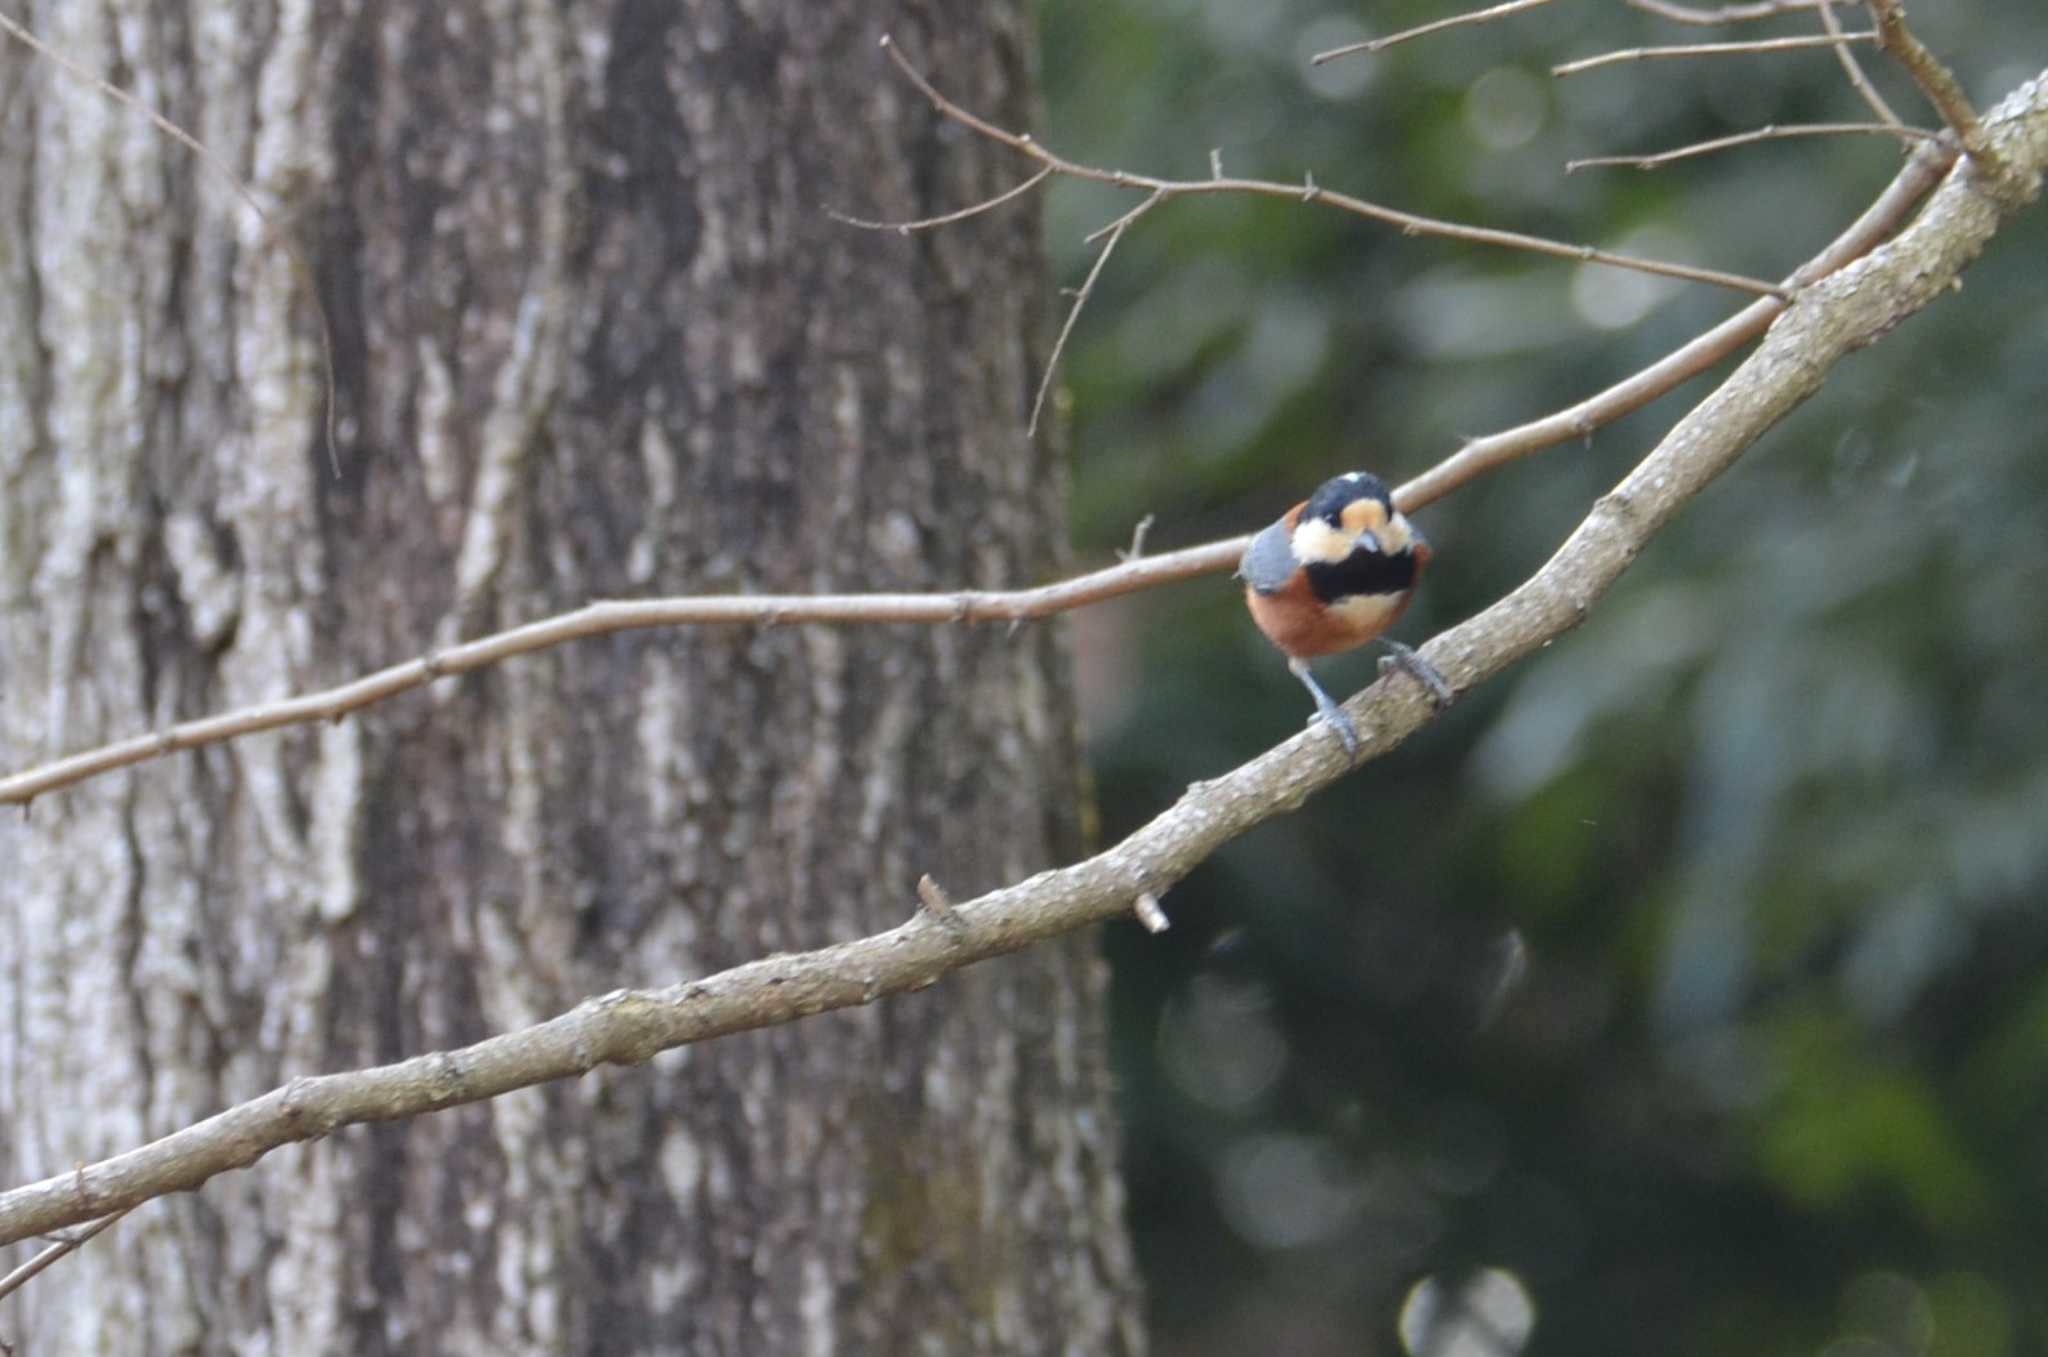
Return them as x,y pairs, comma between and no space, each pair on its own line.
1269,560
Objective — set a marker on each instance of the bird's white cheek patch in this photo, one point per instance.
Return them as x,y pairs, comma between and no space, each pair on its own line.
1315,540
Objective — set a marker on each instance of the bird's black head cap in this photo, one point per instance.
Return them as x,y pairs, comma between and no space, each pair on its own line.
1331,496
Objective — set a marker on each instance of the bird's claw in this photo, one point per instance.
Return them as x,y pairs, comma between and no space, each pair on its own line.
1422,671
1340,721
1327,711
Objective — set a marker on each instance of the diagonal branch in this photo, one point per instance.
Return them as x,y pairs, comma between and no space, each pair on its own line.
1709,49
1160,190
1730,14
1877,222
1408,222
28,1271
1115,232
1488,15
904,228
1854,68
1938,83
1474,459
1845,311
1768,132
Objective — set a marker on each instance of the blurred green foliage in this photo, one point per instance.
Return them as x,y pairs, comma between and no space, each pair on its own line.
1690,978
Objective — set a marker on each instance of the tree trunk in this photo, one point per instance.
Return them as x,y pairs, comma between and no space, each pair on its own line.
593,336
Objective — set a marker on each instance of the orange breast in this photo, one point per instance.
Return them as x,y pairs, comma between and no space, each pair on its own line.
1303,627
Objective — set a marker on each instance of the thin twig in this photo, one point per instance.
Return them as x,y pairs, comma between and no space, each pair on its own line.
926,223
1408,222
1116,226
1730,14
1854,68
1474,459
1138,534
1481,455
1481,16
1939,85
22,1275
301,266
1771,132
608,617
932,898
1834,318
1059,346
1708,49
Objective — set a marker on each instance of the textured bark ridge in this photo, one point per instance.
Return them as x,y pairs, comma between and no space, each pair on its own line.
595,337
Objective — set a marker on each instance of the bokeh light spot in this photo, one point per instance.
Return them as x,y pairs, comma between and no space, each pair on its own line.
1287,1191
1506,108
1489,1314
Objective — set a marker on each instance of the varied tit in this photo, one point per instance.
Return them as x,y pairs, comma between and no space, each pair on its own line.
1336,571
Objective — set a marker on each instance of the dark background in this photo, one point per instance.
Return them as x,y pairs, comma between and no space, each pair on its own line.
1769,833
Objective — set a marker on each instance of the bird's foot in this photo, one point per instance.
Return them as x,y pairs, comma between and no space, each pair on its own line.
1422,671
1337,719
1327,711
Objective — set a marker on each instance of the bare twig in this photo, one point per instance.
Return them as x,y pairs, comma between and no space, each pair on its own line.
1854,69
1408,222
1939,85
1160,190
1834,318
1730,14
22,1275
1138,535
606,617
1771,132
1708,49
1116,231
598,619
932,898
301,266
1482,455
927,223
1480,16
1146,908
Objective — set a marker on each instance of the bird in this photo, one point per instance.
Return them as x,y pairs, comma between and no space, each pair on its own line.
1333,573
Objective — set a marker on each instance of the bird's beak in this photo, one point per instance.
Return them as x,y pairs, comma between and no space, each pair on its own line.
1367,542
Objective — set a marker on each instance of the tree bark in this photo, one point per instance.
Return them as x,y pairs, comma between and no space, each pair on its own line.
594,336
